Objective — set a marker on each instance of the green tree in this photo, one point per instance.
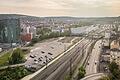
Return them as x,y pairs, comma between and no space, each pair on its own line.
34,40
81,73
13,73
114,69
16,57
43,31
113,66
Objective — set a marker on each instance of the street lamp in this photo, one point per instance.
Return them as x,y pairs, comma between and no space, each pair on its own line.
64,46
46,60
71,67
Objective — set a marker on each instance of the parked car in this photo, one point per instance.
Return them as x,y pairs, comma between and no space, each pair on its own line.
95,62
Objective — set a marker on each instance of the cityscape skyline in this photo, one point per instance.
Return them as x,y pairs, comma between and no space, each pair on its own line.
81,8
59,40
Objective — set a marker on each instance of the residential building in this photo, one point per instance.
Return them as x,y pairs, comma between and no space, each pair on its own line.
27,33
115,56
114,44
115,52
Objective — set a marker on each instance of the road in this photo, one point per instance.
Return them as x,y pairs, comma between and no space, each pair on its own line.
57,69
93,60
84,59
93,76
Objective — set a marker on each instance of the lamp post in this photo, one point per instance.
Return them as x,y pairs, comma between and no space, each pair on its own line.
70,67
64,47
46,60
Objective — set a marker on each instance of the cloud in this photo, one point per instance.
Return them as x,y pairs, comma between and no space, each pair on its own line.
62,7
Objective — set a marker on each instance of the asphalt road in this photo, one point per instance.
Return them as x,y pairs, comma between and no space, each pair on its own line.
60,67
93,61
94,76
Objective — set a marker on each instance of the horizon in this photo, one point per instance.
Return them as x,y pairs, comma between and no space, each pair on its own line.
59,16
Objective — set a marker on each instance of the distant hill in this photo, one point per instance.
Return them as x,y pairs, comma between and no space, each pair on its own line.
60,18
9,16
15,16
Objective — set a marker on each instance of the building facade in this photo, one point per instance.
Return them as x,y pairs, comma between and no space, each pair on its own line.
27,33
10,31
115,52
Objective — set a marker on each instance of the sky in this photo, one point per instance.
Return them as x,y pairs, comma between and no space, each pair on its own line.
81,8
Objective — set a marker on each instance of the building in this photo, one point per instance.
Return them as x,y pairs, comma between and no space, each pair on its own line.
60,29
107,35
82,30
115,52
27,33
115,56
9,31
26,37
78,30
114,44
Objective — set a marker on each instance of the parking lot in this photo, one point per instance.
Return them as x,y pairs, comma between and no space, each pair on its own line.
104,61
43,53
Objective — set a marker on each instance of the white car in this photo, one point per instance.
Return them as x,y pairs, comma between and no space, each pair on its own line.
88,63
95,62
36,62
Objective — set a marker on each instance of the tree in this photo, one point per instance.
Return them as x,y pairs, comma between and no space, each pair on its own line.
114,69
34,40
81,73
15,73
113,66
16,57
43,31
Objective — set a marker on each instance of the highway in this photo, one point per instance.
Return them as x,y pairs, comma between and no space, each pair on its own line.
61,66
93,60
93,76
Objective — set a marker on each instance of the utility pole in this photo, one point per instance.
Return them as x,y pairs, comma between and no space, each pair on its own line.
70,67
46,60
64,47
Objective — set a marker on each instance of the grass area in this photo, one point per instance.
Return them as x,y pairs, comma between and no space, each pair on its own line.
26,51
4,59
